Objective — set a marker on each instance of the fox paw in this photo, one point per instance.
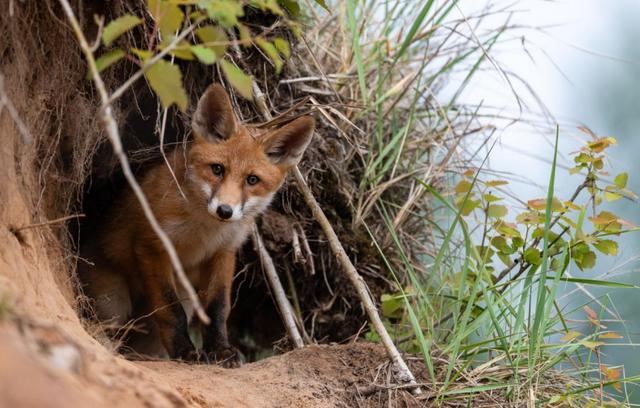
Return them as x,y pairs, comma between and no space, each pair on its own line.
191,356
228,357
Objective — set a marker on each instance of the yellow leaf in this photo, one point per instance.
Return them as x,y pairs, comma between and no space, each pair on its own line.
166,81
571,335
117,27
572,206
611,335
540,204
463,186
612,374
591,345
168,17
599,145
495,183
242,82
271,51
215,38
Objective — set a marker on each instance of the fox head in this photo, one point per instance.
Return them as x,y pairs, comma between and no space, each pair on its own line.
235,170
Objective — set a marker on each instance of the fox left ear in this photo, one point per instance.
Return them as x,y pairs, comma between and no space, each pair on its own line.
286,145
214,119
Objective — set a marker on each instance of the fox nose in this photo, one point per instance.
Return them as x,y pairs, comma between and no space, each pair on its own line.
224,211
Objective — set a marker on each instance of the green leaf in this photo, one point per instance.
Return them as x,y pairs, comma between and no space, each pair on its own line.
391,305
323,4
215,38
500,243
490,198
167,15
106,60
282,46
291,6
242,82
204,54
144,55
507,229
467,206
245,35
119,26
606,246
586,261
611,193
225,12
621,180
505,259
532,255
271,51
166,81
529,218
182,51
497,211
268,5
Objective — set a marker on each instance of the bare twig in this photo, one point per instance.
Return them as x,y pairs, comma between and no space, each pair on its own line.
50,222
278,292
5,102
401,367
403,372
114,137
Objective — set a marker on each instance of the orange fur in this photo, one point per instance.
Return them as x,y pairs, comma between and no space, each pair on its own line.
131,267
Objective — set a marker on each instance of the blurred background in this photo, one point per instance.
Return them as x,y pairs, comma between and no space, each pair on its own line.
582,60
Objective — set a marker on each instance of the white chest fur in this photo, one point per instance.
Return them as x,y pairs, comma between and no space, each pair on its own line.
198,239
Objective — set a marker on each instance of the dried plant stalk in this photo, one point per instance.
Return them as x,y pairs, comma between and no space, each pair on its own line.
113,134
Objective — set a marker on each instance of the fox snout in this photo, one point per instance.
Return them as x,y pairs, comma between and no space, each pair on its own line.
224,211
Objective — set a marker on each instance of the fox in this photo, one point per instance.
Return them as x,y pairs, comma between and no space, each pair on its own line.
227,175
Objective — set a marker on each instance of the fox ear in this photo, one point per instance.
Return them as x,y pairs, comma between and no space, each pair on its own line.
214,119
286,145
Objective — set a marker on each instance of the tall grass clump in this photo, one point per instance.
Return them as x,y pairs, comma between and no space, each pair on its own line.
476,282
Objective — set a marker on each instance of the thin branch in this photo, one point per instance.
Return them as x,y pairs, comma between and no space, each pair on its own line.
285,307
5,102
404,374
114,137
50,222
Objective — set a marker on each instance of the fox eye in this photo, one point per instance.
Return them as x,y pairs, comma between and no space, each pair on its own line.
252,180
217,169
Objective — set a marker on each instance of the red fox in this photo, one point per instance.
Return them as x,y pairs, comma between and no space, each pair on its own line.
229,175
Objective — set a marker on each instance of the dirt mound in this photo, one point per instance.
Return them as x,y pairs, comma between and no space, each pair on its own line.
64,372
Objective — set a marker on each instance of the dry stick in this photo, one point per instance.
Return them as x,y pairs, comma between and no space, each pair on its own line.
404,374
269,269
114,137
285,307
5,102
50,222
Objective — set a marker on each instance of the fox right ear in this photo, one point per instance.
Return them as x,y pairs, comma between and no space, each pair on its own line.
214,119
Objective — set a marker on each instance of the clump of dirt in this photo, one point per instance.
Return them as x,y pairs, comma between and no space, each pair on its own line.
65,372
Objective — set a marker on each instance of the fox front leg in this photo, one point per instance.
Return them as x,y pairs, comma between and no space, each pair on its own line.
167,311
221,268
